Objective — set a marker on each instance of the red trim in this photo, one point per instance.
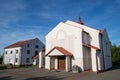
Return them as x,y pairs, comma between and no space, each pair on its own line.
101,31
62,50
79,21
90,46
36,56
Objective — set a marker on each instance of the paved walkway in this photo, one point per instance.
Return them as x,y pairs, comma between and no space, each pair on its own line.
41,74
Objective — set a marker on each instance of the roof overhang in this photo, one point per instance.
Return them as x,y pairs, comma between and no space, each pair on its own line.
90,46
59,51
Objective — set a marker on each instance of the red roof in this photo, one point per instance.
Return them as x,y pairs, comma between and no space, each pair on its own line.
79,21
37,55
62,50
101,31
18,44
90,46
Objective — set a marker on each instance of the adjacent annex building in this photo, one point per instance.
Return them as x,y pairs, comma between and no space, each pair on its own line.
22,52
75,44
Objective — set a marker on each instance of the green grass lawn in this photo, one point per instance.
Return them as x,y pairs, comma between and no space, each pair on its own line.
3,66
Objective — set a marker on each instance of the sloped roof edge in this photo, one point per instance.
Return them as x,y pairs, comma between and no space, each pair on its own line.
18,44
62,50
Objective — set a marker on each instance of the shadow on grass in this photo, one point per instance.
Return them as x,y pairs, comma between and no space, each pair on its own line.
45,78
114,67
6,78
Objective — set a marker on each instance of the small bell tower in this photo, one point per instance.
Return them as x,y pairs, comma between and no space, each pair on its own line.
79,21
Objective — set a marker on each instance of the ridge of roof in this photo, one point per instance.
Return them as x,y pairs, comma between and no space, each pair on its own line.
72,23
18,44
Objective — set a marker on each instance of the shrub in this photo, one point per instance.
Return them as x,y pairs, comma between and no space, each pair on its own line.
9,66
3,67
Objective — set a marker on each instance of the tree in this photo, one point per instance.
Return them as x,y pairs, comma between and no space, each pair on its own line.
115,51
1,59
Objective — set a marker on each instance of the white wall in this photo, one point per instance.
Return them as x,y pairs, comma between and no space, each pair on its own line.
106,50
68,37
32,49
22,55
94,34
10,57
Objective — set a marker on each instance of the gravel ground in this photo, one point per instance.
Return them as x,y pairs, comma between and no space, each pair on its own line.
35,73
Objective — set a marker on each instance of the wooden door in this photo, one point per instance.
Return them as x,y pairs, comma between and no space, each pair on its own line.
87,59
61,62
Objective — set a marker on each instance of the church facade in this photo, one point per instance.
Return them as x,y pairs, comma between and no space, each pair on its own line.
75,44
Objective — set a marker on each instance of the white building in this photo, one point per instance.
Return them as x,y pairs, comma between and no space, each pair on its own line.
39,58
72,43
21,53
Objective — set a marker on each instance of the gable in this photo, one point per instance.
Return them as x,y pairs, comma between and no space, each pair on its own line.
85,28
65,28
104,35
55,52
58,51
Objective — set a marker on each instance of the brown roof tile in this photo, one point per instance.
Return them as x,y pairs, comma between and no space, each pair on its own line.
18,44
62,50
90,46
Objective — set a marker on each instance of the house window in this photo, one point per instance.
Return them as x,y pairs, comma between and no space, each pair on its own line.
37,46
11,52
28,51
16,59
36,52
107,49
16,51
28,45
6,52
28,60
86,37
33,60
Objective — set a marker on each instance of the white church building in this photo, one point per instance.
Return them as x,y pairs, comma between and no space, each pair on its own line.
75,44
22,52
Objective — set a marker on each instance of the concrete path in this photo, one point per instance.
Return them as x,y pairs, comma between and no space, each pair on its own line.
35,73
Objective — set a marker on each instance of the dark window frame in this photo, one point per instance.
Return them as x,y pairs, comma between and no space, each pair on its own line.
27,60
6,52
11,51
28,51
16,51
28,45
36,52
37,46
16,60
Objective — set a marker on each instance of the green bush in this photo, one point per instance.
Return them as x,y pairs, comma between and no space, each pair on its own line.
115,51
3,67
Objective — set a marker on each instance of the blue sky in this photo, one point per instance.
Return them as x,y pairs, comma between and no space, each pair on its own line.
26,19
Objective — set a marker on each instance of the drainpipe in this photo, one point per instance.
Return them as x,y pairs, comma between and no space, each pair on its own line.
102,53
97,62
